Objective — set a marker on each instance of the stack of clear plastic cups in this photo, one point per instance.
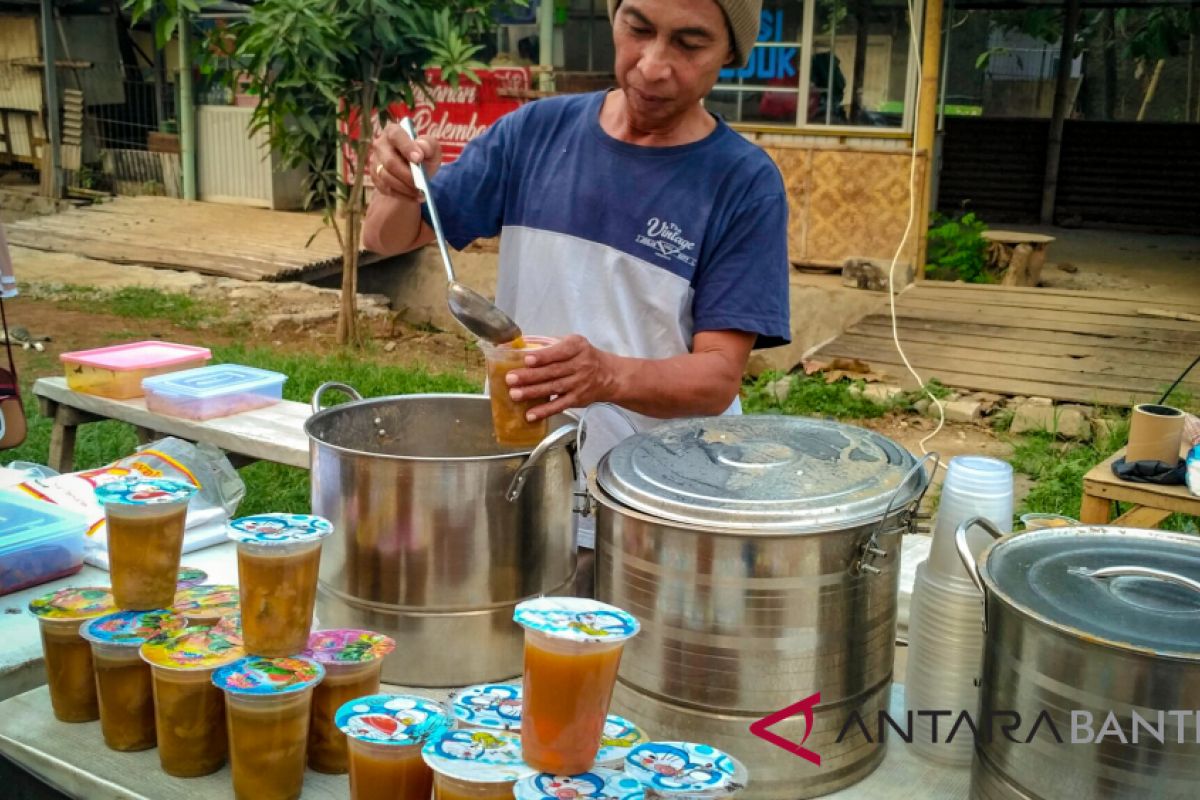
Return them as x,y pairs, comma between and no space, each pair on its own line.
144,523
599,783
475,765
123,682
207,603
573,649
279,556
685,771
352,660
386,733
69,671
268,702
189,712
945,628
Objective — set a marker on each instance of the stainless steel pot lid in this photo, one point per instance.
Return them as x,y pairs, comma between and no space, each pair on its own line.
763,472
1126,588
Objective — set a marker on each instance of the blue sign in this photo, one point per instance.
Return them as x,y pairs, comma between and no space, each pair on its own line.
767,63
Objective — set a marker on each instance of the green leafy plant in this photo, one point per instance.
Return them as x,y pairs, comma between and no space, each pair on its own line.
809,395
957,250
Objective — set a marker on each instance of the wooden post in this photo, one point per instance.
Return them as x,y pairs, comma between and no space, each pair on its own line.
1059,118
53,125
926,121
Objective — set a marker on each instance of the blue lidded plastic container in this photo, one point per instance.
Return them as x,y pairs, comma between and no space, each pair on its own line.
39,541
215,391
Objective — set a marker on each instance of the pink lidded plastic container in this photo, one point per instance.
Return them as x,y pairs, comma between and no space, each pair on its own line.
117,371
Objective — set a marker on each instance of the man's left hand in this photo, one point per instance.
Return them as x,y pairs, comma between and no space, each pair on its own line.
571,373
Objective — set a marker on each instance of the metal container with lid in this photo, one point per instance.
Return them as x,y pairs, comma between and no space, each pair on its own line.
1089,626
761,555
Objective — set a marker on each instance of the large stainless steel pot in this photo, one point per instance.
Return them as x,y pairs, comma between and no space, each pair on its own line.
761,555
439,531
1082,623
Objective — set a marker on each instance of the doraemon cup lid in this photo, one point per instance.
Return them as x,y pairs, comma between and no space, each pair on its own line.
477,756
576,619
598,784
402,720
193,648
131,628
496,706
141,492
619,737
348,646
208,600
76,603
268,677
190,576
685,770
279,530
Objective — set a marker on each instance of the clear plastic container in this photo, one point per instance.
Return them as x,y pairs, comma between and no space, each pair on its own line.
39,542
118,371
215,391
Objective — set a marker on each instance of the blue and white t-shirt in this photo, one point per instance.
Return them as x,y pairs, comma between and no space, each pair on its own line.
636,248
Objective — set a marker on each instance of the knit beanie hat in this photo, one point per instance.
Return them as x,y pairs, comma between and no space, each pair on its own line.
743,17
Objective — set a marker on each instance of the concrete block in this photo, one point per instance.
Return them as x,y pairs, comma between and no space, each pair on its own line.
881,393
1066,422
966,411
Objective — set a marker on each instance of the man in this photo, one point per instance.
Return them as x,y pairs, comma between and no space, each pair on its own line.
636,226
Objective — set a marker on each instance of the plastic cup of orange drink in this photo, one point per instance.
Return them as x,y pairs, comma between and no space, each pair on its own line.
267,706
475,765
385,733
352,660
278,559
512,429
145,519
207,603
573,648
599,783
123,682
685,771
69,671
189,712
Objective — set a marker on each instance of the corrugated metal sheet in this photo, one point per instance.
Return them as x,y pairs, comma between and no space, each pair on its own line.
20,87
993,167
233,166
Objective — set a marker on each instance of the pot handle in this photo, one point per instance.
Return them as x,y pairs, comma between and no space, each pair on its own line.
344,388
869,550
1138,572
964,549
559,437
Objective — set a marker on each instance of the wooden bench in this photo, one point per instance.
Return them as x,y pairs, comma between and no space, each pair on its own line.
1151,503
275,433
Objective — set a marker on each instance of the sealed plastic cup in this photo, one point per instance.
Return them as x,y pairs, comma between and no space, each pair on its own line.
599,783
475,765
278,559
124,686
267,706
190,576
352,661
385,733
207,603
498,707
145,519
508,415
189,712
685,771
572,651
69,671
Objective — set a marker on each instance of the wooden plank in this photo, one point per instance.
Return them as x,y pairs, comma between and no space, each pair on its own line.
1035,291
1022,300
963,331
1044,319
1141,517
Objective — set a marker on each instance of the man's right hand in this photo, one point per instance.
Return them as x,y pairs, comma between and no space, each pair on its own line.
391,154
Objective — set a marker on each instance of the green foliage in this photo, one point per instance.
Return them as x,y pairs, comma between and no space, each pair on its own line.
808,395
956,249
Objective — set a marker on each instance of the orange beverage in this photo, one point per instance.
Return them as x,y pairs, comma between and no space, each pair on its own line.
475,765
352,660
386,772
573,649
447,788
207,603
69,670
268,702
508,416
189,712
279,556
385,734
145,519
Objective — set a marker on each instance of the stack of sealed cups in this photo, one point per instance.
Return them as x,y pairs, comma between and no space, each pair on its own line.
946,620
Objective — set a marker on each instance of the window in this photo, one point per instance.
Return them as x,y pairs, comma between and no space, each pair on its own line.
859,69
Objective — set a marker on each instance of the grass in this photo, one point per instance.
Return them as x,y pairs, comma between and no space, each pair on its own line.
809,395
135,302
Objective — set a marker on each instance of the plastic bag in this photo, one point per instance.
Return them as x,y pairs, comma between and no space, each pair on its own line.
1193,470
202,465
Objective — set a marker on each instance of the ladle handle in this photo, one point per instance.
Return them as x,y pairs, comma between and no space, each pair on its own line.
418,172
1138,572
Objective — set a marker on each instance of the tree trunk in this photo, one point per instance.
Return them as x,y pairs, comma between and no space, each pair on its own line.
1110,63
862,21
1151,89
1094,90
347,328
1061,110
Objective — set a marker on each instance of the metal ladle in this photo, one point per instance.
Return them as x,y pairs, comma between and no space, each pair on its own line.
476,313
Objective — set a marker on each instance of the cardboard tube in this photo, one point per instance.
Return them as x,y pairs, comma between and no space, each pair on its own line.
1155,434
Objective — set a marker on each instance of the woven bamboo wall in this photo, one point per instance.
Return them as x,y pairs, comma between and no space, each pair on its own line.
846,202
